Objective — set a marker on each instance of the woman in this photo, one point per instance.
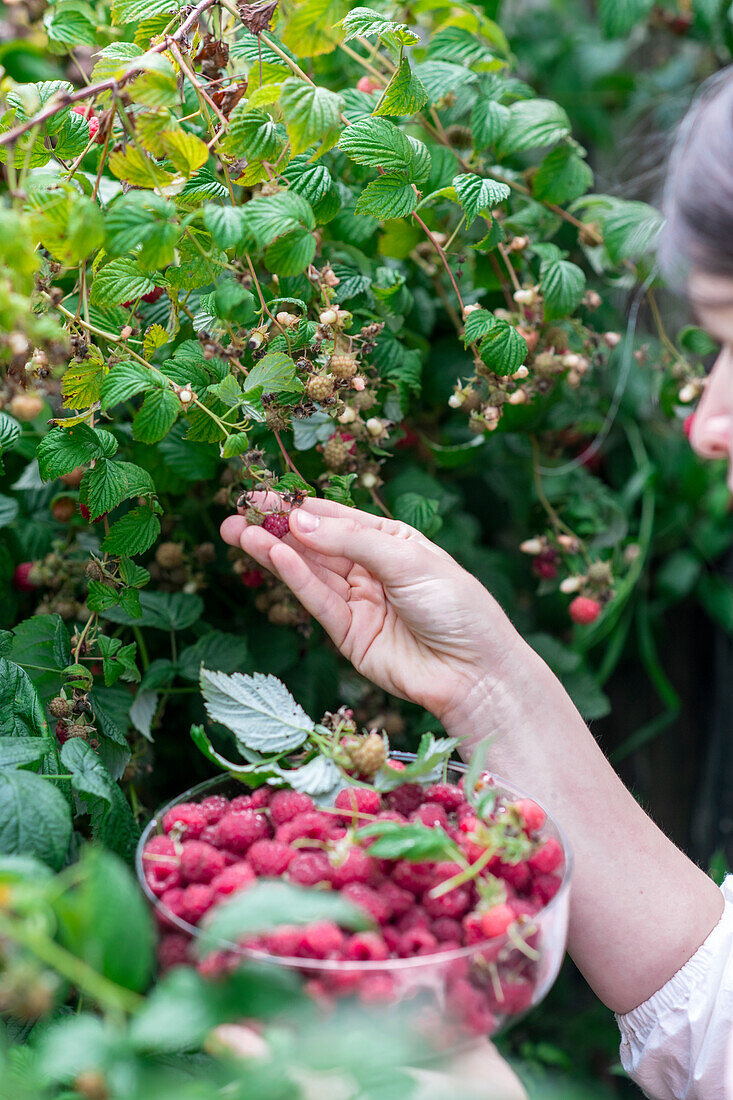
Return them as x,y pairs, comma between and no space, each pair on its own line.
650,931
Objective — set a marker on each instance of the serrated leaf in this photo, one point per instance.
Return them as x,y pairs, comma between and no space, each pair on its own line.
132,574
478,195
377,143
121,280
619,17
630,228
156,416
114,60
367,23
235,444
388,196
309,111
259,710
503,349
136,168
413,842
225,223
186,152
419,511
489,120
101,596
9,432
125,380
404,95
17,752
141,218
132,11
81,385
34,818
21,714
442,78
563,287
339,488
8,510
318,777
108,483
532,123
292,253
562,176
68,224
63,449
274,372
313,27
477,324
133,533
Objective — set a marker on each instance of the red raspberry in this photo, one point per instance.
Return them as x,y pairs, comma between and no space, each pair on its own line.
446,930
391,815
376,989
270,858
232,879
368,84
431,814
406,798
200,862
252,578
523,907
368,900
534,816
153,295
173,950
496,920
261,798
241,802
218,964
160,863
517,997
473,931
398,900
214,807
210,835
171,899
321,940
285,805
448,795
584,610
469,823
357,867
92,120
237,831
312,826
276,524
415,917
417,941
195,901
455,903
547,857
415,877
62,732
517,875
309,868
87,515
362,800
687,424
472,1008
392,938
21,577
187,819
366,946
284,940
396,765
545,887
545,564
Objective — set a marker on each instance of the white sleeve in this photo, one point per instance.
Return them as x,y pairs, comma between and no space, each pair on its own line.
677,1045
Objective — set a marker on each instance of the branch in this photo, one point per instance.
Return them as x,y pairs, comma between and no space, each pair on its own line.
93,90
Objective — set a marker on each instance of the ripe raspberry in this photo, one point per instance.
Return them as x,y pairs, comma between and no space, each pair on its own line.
237,831
200,862
544,887
472,1008
496,920
313,826
270,858
277,524
284,940
309,868
173,950
415,917
396,765
63,509
405,798
218,964
367,84
195,901
523,907
252,578
415,877
233,879
534,816
214,807
447,795
417,941
516,997
87,515
210,835
160,864
357,867
366,946
337,451
22,577
187,819
171,899
241,802
343,367
261,798
392,937
59,707
319,387
153,295
473,931
447,930
584,610
454,904
377,989
285,805
431,814
321,940
548,857
687,424
545,564
516,874
398,900
358,800
368,900
367,754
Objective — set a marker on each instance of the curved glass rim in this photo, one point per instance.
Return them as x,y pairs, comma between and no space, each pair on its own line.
292,962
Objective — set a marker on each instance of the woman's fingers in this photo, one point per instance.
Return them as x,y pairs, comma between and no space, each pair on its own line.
387,557
321,599
259,544
231,529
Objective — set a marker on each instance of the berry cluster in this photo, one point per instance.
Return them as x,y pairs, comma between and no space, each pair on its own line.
487,897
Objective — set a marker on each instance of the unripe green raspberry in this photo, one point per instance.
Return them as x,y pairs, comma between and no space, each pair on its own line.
336,452
60,707
343,367
320,387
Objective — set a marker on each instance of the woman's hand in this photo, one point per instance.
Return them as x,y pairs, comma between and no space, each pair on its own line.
405,614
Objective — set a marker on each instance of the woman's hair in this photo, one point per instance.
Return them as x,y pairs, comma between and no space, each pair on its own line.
698,194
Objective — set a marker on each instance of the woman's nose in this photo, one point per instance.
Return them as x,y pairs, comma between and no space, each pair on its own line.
712,434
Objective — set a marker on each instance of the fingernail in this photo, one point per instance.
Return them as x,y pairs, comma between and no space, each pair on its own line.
305,521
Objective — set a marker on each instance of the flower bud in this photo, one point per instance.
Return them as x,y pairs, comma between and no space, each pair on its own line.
456,400
526,296
374,426
358,383
519,397
328,317
369,480
611,339
521,372
689,392
571,360
532,546
571,584
348,416
470,308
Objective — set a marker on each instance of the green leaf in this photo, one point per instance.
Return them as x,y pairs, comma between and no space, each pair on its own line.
388,196
216,650
320,776
367,23
63,449
419,512
185,151
377,143
34,818
259,710
563,287
313,27
339,489
442,79
532,123
225,223
138,218
478,196
477,324
235,444
690,337
113,823
9,432
104,920
16,752
132,11
414,842
121,280
619,17
8,510
68,27
503,349
489,120
133,533
137,169
629,228
253,134
292,253
156,416
101,596
274,372
562,176
268,904
68,224
108,483
73,1044
310,112
114,60
42,644
125,380
404,95
163,611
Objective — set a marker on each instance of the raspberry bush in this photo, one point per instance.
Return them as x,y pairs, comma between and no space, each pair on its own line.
352,252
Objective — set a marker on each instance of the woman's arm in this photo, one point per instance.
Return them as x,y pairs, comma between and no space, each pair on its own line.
414,622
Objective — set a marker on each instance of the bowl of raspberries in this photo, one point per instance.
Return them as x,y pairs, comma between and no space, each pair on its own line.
447,893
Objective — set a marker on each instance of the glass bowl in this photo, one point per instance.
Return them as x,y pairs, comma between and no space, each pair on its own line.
459,992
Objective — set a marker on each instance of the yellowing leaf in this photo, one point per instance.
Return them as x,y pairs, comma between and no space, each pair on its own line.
185,151
82,382
137,169
314,27
264,96
156,337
